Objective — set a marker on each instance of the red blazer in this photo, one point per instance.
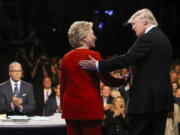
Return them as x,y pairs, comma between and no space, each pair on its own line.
80,88
80,92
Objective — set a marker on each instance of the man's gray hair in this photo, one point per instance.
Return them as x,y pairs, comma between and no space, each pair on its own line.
14,63
144,14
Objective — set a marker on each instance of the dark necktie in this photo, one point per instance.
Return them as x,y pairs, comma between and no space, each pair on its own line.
16,90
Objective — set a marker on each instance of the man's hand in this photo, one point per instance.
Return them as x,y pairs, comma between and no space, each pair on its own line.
17,102
88,64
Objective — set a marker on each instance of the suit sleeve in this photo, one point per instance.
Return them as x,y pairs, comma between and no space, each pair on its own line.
106,78
4,107
50,107
29,105
141,48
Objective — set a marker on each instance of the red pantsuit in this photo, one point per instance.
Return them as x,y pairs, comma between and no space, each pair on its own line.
81,102
83,127
80,94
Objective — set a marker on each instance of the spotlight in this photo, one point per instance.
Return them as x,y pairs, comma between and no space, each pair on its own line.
54,29
96,11
100,25
109,12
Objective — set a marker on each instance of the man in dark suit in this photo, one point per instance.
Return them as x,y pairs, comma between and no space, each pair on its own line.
16,95
42,94
106,95
150,97
53,103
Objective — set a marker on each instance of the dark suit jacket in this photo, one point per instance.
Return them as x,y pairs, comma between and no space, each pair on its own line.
6,95
51,106
39,97
150,57
109,100
113,125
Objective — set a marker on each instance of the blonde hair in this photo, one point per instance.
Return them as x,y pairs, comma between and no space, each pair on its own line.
144,14
78,32
115,100
115,93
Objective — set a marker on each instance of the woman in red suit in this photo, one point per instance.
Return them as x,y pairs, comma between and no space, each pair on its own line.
81,103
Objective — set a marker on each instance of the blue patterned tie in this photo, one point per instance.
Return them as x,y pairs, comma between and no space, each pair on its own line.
16,90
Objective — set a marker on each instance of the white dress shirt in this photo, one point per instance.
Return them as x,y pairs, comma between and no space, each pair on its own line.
13,84
58,100
58,103
47,93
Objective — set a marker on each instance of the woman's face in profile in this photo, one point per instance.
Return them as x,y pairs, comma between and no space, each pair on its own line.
90,39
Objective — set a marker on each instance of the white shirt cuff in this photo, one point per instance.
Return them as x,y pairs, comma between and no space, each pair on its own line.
97,66
20,108
12,106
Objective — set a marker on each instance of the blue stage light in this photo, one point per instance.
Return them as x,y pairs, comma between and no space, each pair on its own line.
96,11
100,25
109,12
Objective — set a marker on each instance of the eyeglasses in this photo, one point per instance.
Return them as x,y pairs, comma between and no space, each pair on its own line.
18,71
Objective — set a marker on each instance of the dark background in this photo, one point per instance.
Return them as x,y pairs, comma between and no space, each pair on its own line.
51,20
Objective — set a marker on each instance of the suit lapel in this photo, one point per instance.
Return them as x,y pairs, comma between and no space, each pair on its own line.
21,89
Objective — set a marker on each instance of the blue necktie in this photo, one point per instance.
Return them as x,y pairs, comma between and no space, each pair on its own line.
16,90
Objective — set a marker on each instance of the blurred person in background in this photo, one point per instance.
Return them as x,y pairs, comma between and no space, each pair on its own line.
173,76
115,93
55,70
114,122
53,103
106,95
42,95
173,120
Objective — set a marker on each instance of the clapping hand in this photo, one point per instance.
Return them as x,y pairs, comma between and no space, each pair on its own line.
17,101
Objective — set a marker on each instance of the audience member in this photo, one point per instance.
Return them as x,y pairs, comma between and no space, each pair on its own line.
114,122
53,103
42,95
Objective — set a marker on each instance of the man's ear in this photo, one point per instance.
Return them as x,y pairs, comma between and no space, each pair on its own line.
145,22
